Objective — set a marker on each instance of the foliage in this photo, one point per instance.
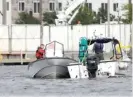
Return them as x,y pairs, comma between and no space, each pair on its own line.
25,18
49,17
128,14
102,16
85,16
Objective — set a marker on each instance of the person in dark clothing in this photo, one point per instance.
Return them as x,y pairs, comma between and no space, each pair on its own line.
98,49
40,52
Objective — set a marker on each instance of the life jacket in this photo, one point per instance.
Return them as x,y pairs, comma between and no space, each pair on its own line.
40,53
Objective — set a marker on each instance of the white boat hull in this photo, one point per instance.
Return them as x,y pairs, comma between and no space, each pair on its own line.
108,69
78,71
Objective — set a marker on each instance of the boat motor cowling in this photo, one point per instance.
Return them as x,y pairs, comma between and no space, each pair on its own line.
92,66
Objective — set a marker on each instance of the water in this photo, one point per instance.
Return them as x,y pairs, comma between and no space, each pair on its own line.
14,81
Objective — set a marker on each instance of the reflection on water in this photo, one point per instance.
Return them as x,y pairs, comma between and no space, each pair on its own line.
14,81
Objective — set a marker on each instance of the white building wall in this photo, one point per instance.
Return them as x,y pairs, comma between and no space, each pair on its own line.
96,4
9,13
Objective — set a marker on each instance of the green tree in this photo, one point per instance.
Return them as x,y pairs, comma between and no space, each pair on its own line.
49,17
128,14
102,16
25,18
85,16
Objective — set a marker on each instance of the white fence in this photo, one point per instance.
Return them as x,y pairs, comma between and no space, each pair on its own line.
27,37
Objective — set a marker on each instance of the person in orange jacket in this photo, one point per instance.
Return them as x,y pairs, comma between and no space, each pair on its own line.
40,52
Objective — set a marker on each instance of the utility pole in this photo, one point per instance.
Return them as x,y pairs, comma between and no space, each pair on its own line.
118,16
4,12
129,1
41,23
108,18
132,25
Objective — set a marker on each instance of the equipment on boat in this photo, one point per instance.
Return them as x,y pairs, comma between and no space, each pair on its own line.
92,65
117,62
83,46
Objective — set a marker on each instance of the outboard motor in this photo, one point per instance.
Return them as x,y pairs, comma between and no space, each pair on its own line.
92,66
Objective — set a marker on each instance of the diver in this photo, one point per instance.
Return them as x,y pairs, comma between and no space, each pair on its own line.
98,49
40,52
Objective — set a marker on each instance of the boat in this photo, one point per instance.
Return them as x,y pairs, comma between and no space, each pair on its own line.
53,66
90,67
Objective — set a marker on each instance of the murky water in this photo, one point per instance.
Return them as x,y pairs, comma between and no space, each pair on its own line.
14,81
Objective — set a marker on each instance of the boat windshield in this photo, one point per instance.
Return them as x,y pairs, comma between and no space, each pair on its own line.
108,50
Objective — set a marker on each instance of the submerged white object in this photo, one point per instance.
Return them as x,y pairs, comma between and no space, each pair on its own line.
108,67
123,64
78,71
